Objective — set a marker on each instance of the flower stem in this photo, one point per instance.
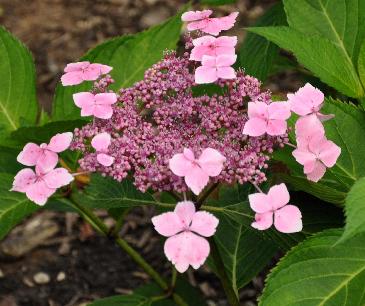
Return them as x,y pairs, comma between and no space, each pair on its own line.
101,227
290,145
205,195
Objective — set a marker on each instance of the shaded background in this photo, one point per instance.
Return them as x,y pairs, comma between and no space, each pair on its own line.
55,259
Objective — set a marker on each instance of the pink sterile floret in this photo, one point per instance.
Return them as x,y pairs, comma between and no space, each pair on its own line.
197,171
101,143
213,46
185,228
314,151
272,208
214,68
40,185
45,156
308,100
98,105
200,20
76,73
267,118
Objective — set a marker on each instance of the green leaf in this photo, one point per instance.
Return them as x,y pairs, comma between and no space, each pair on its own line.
217,2
105,192
340,21
355,211
257,55
125,300
17,82
129,56
317,273
14,206
361,65
323,57
8,162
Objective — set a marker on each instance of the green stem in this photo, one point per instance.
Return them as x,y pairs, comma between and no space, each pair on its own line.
173,277
101,227
118,225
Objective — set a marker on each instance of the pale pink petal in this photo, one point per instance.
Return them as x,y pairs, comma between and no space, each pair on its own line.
304,157
306,128
206,40
179,164
276,127
197,25
209,61
71,78
316,142
226,60
226,41
306,100
103,111
323,117
329,153
279,196
24,178
105,159
298,106
288,219
30,154
39,192
197,53
57,178
230,51
211,161
105,98
185,210
205,75
227,73
255,127
204,224
78,66
263,221
279,110
88,110
60,142
258,109
189,154
47,161
259,202
196,179
228,22
318,171
83,99
196,15
96,70
167,224
101,142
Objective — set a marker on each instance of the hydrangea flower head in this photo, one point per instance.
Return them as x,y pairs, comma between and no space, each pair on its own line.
273,208
186,230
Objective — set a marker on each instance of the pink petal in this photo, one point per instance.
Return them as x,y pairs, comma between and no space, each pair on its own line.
83,99
78,66
101,142
105,159
259,202
105,98
276,127
318,172
71,78
179,164
186,249
288,219
196,179
329,153
306,100
228,22
196,15
103,111
263,221
304,157
47,161
226,41
211,161
60,142
88,110
279,110
205,40
39,192
204,224
323,117
226,60
205,75
279,196
255,127
197,25
225,51
94,71
167,224
227,73
306,128
30,154
24,178
185,210
258,109
216,25
57,178
197,53
189,154
209,61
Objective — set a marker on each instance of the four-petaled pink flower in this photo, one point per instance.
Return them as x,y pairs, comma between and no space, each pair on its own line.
45,156
101,143
267,118
272,208
99,105
214,68
308,100
197,171
40,185
185,228
200,20
213,46
316,153
76,73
